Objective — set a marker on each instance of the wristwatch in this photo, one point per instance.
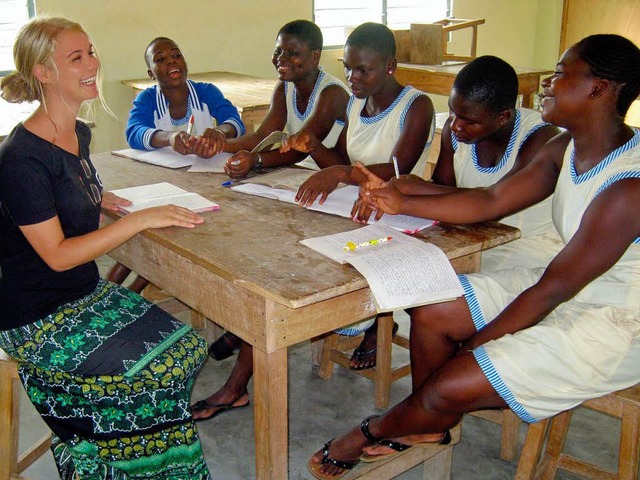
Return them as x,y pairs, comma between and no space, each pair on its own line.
259,165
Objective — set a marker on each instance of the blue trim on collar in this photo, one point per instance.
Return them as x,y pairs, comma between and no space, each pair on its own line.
578,179
507,153
381,115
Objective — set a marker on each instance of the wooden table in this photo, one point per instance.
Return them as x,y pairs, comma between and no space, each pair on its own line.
244,269
250,95
438,79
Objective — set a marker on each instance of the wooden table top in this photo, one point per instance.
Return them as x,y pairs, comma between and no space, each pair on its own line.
244,91
254,242
455,67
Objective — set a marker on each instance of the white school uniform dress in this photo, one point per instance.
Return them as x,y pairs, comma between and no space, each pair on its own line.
539,242
296,119
372,139
587,347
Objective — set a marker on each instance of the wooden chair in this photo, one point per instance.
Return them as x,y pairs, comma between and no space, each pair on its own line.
426,43
335,351
624,405
12,464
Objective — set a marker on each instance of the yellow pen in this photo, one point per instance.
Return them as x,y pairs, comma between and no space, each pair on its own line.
356,246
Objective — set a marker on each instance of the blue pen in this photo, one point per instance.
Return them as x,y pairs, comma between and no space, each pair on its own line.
228,183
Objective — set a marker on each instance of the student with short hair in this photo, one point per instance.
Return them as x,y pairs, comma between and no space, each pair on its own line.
385,120
304,97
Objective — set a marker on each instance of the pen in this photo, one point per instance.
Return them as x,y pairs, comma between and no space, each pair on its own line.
355,246
228,183
395,166
190,125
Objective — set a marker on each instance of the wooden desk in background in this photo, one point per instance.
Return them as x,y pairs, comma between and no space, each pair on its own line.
245,269
438,79
250,95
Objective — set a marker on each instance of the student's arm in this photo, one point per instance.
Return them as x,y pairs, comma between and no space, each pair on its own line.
140,125
524,188
408,149
331,107
226,114
61,253
591,252
444,173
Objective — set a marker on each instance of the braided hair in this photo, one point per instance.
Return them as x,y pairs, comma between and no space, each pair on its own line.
614,58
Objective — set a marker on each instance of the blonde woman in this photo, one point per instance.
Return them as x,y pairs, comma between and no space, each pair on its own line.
93,356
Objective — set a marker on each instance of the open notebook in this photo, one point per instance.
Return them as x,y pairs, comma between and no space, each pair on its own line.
402,271
154,195
283,184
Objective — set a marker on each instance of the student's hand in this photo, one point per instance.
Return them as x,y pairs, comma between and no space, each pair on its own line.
178,142
377,194
362,210
321,184
110,201
212,142
168,216
303,141
240,164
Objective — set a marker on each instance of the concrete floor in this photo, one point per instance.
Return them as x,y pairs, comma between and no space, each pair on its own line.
322,409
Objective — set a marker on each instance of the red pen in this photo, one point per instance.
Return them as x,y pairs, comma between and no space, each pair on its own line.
190,126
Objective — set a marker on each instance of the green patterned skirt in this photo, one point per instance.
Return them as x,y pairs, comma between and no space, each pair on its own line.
111,374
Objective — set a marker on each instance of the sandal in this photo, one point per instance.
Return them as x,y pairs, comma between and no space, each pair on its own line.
314,468
361,355
400,447
225,346
222,407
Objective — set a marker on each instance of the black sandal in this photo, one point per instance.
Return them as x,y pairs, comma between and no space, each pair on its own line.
225,346
314,468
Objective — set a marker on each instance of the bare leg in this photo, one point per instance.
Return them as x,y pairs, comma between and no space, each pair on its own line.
458,387
235,388
436,333
368,348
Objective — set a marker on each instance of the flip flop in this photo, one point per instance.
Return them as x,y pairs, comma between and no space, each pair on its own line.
400,447
360,354
225,346
222,407
314,468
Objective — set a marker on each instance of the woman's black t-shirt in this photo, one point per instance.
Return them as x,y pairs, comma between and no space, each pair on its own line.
39,181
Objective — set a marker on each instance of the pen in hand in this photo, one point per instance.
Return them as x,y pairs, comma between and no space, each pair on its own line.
190,125
395,166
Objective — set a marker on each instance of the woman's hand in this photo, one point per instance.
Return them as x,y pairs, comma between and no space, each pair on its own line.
240,164
303,141
110,201
210,143
319,184
168,216
178,142
379,195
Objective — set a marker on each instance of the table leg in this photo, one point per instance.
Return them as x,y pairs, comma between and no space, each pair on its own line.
270,413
